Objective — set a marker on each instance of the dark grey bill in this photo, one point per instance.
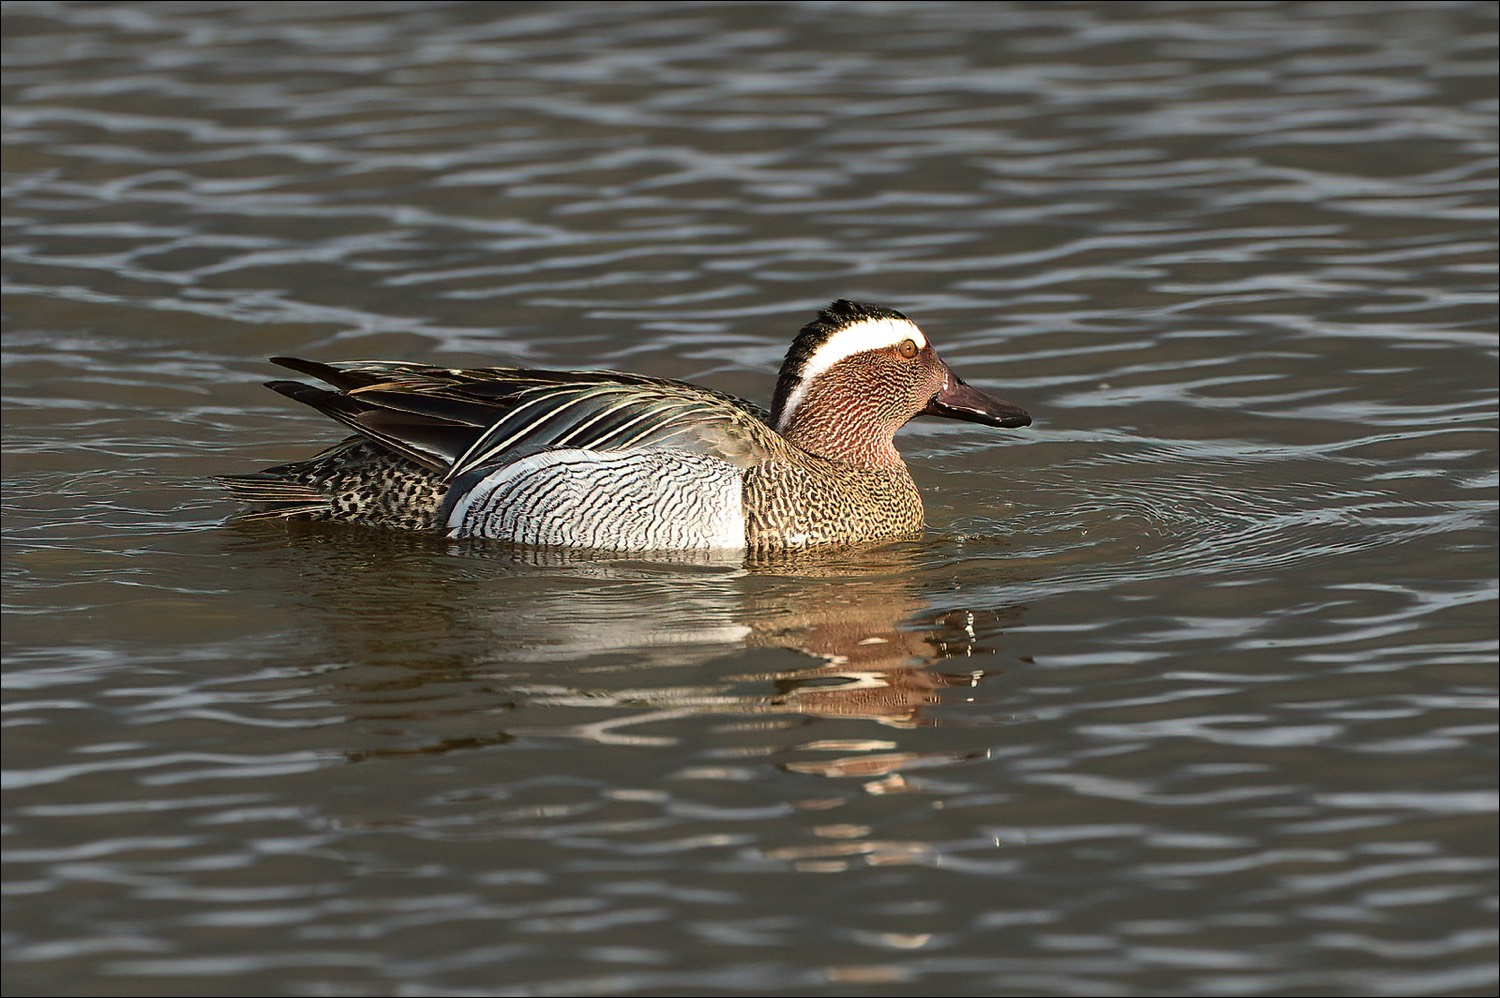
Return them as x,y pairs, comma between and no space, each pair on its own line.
962,401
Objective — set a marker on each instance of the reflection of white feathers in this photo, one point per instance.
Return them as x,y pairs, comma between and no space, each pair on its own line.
578,639
618,606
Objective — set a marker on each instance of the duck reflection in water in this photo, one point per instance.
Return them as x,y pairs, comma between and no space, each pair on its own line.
559,633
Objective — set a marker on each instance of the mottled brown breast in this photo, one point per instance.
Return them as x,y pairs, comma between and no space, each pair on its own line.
816,502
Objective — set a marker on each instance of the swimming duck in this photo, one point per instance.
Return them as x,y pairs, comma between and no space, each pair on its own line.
625,462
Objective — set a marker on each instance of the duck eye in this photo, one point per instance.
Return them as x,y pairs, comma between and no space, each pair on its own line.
908,349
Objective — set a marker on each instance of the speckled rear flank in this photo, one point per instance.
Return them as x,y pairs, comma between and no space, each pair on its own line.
357,481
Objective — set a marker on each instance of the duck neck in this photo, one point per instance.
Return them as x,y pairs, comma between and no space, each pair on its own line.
842,427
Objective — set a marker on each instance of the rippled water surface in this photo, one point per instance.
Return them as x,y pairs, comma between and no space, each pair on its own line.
1188,689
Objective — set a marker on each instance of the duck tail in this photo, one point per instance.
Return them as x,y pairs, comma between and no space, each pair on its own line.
356,481
270,495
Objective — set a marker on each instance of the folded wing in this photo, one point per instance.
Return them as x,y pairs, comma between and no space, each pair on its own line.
454,422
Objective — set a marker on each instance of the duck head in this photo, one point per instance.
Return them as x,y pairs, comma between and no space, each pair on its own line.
857,373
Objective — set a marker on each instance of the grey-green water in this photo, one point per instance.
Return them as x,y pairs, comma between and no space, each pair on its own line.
1189,689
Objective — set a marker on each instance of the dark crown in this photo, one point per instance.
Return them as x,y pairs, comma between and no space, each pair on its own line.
838,315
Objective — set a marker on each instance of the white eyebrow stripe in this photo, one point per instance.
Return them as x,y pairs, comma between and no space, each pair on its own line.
857,337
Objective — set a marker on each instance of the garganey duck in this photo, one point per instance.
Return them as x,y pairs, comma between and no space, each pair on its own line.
624,462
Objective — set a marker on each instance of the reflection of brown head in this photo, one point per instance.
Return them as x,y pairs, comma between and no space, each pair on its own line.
887,670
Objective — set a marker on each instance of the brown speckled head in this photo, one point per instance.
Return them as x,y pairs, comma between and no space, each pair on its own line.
858,373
